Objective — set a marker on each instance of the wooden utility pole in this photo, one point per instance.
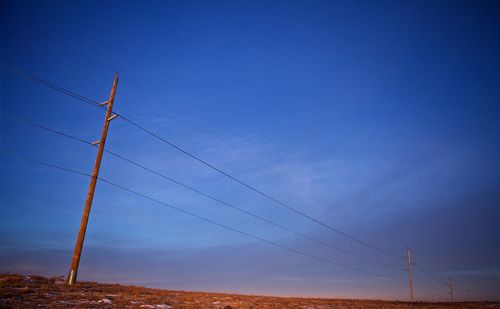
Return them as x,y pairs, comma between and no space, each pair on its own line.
451,290
408,256
90,195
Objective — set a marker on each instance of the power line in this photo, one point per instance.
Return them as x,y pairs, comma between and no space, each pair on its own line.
49,84
421,284
431,284
255,189
437,279
100,63
96,104
207,195
53,39
213,221
429,274
126,119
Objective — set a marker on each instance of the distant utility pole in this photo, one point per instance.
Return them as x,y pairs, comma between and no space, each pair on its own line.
408,256
451,290
90,195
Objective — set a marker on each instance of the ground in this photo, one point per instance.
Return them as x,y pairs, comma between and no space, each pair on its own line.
18,291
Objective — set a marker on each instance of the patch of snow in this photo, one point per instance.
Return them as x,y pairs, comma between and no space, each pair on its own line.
105,301
83,301
159,306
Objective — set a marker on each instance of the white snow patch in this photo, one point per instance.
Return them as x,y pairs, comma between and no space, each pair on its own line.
105,301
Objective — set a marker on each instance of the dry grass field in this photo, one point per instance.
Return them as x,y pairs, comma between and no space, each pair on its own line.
17,291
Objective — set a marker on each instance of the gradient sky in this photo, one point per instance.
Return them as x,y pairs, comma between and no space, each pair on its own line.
381,118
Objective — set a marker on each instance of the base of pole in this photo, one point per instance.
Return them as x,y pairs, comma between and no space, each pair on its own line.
71,277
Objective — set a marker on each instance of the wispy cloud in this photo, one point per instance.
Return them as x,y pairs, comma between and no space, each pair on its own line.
473,272
301,279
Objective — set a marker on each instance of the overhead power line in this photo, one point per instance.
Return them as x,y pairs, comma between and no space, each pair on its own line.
48,84
436,278
101,64
259,191
96,104
430,275
246,212
213,222
421,284
189,154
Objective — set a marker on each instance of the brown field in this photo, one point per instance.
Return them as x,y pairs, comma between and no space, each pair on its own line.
17,291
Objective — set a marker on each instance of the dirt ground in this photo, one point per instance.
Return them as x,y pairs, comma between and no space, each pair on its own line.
17,291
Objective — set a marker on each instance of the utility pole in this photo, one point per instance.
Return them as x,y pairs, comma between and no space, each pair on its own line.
451,290
408,256
90,195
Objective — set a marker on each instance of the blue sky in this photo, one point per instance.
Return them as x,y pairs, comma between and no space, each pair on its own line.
379,118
